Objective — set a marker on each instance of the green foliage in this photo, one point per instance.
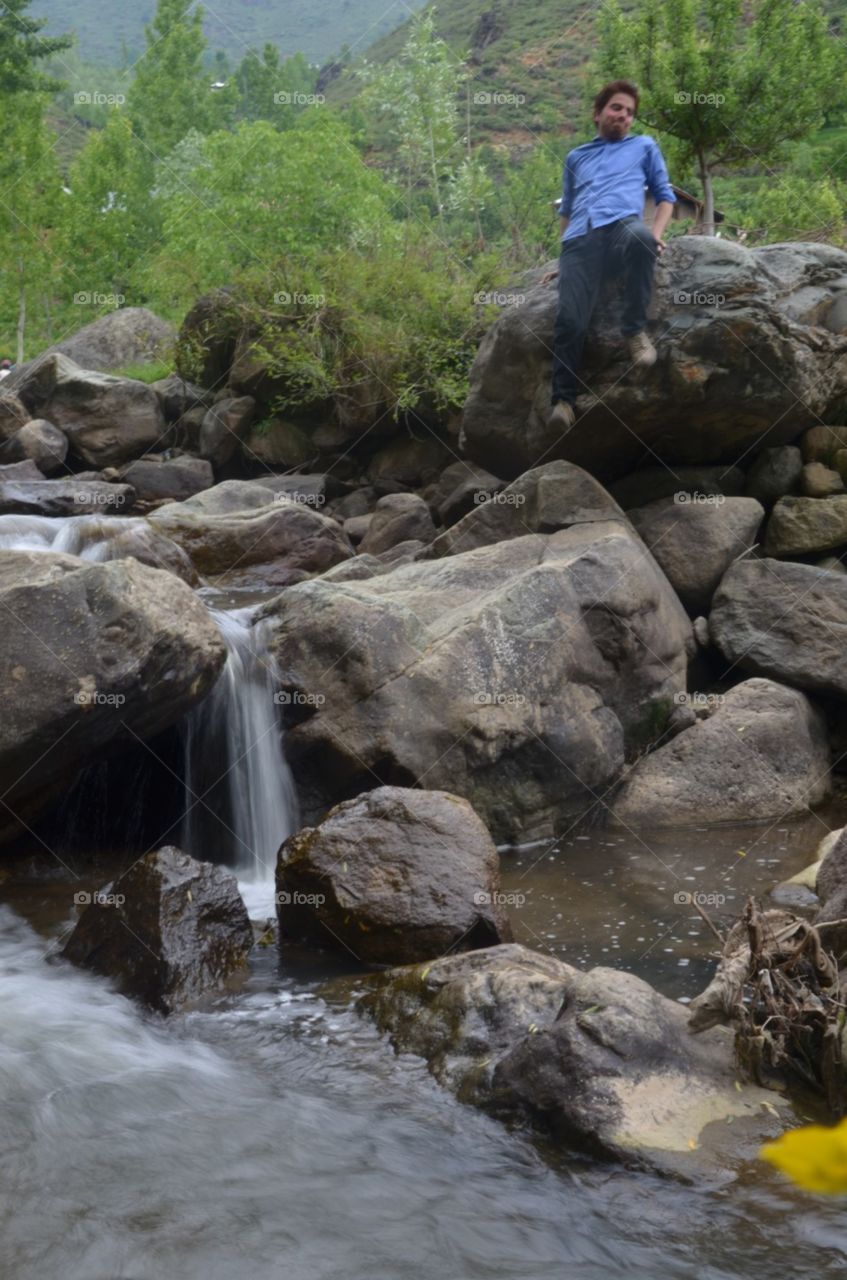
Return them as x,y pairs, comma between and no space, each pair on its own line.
795,209
274,90
22,47
152,371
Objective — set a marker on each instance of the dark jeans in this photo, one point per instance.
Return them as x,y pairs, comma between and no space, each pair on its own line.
585,262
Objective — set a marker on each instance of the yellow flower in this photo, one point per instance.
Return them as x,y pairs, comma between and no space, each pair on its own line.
814,1157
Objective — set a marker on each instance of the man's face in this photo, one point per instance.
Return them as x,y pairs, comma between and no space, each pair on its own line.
615,120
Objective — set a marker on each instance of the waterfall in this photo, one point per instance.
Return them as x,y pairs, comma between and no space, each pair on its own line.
240,799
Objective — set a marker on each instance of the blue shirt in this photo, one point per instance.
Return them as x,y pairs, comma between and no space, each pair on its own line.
604,181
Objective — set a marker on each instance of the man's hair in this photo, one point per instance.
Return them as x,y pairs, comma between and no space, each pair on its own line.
609,90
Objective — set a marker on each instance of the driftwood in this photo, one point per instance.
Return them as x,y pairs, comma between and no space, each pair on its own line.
778,985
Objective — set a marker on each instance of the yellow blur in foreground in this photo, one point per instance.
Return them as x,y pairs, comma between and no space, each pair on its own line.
814,1157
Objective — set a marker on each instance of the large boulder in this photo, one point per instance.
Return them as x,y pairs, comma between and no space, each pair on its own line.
595,1060
157,478
398,517
518,675
695,541
763,753
393,876
803,526
745,358
223,428
775,473
91,655
108,420
167,932
13,412
72,496
277,531
783,620
39,441
127,336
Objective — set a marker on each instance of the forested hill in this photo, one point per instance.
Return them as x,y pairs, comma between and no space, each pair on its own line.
318,29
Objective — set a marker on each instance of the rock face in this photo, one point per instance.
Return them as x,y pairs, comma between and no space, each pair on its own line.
130,335
762,754
45,444
289,535
783,620
695,542
167,931
92,654
70,497
598,1060
517,675
107,420
742,336
393,876
399,517
801,526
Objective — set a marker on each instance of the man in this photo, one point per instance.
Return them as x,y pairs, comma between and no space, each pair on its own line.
603,234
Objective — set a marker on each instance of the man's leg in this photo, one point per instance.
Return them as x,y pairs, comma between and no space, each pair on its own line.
635,248
580,275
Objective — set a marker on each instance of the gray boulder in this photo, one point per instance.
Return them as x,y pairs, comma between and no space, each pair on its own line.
157,478
753,357
224,427
407,462
649,484
803,526
819,481
775,473
278,444
695,541
461,487
13,412
167,932
73,496
762,754
39,441
394,876
399,517
127,336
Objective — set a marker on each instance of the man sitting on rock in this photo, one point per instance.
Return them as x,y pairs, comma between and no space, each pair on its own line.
602,235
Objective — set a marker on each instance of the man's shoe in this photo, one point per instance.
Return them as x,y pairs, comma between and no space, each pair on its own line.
562,417
641,350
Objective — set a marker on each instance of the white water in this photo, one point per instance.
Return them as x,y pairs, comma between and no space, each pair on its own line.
89,537
239,792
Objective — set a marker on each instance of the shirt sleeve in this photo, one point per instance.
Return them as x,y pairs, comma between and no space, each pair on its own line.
656,175
566,206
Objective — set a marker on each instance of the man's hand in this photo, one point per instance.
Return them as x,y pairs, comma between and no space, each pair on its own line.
660,246
548,276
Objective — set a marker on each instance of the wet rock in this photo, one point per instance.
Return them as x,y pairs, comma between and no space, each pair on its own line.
695,542
801,526
394,876
649,484
783,620
819,481
763,753
775,473
39,441
517,675
91,655
167,932
224,427
399,517
73,496
108,420
595,1060
156,478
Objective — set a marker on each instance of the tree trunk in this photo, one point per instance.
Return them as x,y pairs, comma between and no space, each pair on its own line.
19,355
707,227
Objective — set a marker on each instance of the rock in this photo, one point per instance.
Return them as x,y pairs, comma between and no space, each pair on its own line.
207,338
127,336
13,413
695,542
278,444
110,539
701,632
831,563
753,359
167,932
831,881
224,425
819,481
92,656
839,461
155,478
652,483
407,462
762,754
775,473
399,517
21,471
296,539
312,489
71,497
356,528
802,526
360,502
40,441
554,496
107,420
186,431
820,443
394,876
516,675
785,621
598,1061
179,397
461,487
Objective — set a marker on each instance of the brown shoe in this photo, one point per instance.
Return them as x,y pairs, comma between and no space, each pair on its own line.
562,417
641,350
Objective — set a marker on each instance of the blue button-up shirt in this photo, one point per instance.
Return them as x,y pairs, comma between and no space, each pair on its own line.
604,181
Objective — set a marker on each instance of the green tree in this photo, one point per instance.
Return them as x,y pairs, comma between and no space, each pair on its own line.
274,90
21,48
793,209
731,80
